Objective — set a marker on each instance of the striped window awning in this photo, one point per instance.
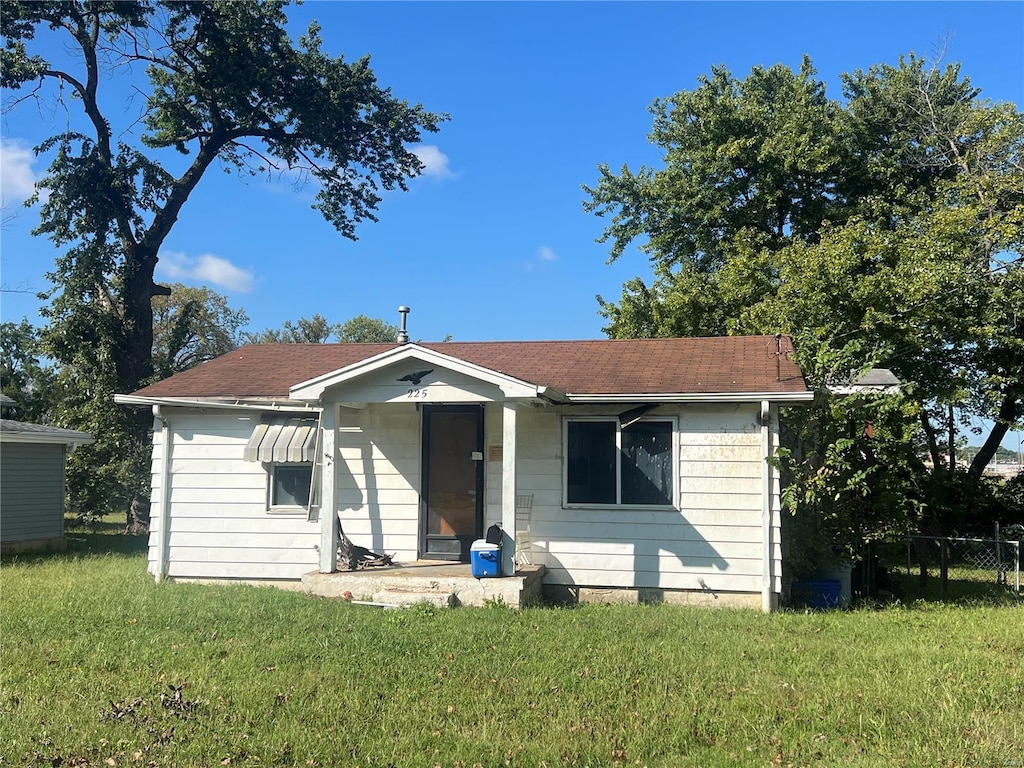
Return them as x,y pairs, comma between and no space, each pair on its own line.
283,439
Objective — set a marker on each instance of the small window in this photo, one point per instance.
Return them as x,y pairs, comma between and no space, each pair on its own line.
289,486
609,464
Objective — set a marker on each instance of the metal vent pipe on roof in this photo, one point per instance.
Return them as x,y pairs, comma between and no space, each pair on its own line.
403,336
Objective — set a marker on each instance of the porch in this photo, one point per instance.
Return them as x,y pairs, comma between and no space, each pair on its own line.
445,585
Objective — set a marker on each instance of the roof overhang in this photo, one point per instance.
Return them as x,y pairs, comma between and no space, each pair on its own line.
791,398
313,390
874,381
43,435
270,404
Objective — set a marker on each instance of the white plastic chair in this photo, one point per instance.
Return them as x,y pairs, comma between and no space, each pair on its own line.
524,541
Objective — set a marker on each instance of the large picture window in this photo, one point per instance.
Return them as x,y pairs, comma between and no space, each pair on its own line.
610,464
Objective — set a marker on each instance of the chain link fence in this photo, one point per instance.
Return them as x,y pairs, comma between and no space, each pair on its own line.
952,558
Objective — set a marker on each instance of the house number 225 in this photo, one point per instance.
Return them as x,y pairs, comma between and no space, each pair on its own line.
417,394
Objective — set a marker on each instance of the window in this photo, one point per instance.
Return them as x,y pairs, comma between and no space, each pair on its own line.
289,486
609,464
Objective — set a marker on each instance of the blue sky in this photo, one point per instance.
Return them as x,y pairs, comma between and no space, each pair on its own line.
492,242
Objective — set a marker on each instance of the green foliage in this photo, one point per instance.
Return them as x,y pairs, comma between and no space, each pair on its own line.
107,475
1010,493
319,330
366,329
23,376
886,230
223,85
746,162
314,330
191,326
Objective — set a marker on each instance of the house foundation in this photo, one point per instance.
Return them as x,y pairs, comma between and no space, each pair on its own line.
557,594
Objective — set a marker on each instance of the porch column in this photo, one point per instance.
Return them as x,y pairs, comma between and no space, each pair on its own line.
508,487
328,489
767,482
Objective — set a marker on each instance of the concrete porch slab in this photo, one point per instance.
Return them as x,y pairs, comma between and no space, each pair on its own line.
441,584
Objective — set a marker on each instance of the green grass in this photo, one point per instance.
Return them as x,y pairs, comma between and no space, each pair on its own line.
101,666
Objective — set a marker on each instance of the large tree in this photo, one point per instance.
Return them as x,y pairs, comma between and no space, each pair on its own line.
224,85
882,229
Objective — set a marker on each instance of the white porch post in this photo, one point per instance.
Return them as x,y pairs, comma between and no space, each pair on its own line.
508,487
328,486
766,511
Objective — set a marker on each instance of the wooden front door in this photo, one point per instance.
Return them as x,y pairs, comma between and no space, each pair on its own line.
453,480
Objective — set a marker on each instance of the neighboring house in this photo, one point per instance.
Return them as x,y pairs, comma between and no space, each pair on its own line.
876,381
32,459
640,465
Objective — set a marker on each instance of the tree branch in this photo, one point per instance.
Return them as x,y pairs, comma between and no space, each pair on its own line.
932,440
86,33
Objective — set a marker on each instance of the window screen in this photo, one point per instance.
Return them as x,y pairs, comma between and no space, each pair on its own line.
290,485
647,463
609,465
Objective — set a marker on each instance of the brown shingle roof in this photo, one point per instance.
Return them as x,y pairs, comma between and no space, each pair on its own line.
726,364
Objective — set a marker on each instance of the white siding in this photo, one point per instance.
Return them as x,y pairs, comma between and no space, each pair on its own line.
31,491
220,527
378,478
714,535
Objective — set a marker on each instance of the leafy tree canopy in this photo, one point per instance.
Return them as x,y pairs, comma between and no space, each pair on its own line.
314,330
221,84
884,229
367,329
226,86
319,330
191,326
24,376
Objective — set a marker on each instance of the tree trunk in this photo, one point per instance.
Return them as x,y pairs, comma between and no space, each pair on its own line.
135,353
933,443
951,437
1009,411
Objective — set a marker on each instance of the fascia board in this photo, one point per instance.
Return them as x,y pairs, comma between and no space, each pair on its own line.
694,397
552,395
199,402
313,389
51,439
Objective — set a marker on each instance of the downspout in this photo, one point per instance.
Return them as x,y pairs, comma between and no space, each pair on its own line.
163,532
765,420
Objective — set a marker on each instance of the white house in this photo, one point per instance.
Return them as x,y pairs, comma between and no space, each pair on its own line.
638,465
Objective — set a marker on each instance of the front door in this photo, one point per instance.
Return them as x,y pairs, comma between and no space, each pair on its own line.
453,480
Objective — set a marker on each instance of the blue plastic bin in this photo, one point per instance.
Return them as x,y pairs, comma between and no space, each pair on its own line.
817,593
485,559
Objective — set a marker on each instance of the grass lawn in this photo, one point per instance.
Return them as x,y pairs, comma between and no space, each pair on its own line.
102,667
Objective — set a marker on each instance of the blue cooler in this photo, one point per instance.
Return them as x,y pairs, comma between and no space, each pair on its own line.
485,559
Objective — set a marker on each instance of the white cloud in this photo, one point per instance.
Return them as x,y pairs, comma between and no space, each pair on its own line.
435,162
17,179
543,255
205,269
